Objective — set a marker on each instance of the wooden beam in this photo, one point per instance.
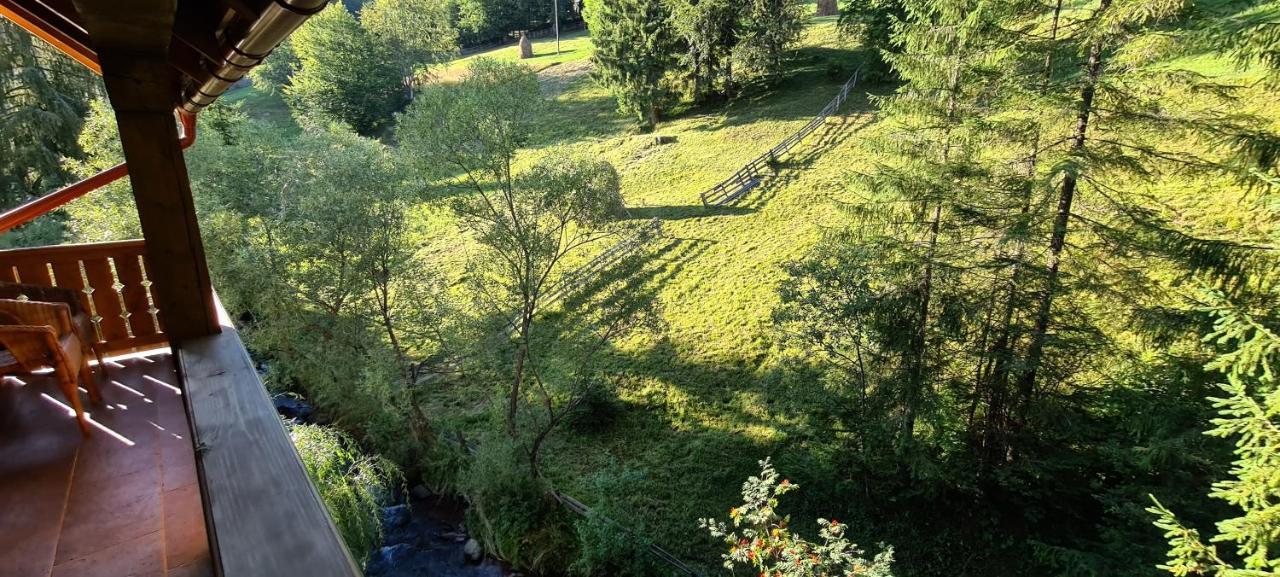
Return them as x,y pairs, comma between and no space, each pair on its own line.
131,38
266,517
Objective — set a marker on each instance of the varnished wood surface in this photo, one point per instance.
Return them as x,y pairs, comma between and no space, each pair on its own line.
122,502
102,265
267,519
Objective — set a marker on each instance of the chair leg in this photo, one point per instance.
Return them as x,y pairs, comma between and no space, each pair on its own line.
91,384
102,367
72,394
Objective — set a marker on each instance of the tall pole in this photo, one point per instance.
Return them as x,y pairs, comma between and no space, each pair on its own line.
556,8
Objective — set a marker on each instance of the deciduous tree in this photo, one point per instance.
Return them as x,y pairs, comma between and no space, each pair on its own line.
343,75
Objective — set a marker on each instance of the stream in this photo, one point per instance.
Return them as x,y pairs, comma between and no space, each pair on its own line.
423,534
427,537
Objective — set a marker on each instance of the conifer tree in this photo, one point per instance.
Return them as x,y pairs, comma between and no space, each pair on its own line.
633,53
706,30
905,270
766,29
1249,414
45,97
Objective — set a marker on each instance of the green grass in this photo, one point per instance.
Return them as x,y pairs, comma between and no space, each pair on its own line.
708,397
262,106
574,47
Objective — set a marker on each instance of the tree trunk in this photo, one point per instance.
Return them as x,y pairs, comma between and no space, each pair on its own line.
995,438
517,381
1058,236
915,380
827,8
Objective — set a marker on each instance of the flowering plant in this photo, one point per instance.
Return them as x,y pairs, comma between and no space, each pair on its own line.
762,540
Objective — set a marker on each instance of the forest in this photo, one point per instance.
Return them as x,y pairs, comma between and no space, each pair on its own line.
1010,310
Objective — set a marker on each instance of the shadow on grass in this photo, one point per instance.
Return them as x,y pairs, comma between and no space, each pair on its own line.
682,212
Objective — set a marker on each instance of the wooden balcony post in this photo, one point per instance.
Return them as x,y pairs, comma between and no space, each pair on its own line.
132,39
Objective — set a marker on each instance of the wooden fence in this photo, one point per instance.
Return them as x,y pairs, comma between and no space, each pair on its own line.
748,177
578,507
584,274
111,279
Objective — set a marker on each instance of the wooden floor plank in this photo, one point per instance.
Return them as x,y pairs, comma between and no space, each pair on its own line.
113,504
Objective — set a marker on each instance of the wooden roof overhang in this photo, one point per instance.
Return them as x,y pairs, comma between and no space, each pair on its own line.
211,45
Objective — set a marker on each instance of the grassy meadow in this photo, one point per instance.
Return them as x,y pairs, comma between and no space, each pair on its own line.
706,397
700,401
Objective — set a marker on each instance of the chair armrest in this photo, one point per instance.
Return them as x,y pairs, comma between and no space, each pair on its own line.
48,294
31,345
32,313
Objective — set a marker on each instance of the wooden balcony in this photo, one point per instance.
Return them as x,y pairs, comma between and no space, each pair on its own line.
136,497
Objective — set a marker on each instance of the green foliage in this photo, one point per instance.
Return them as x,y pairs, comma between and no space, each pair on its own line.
483,21
766,30
274,73
761,540
351,484
345,310
45,96
608,549
610,539
416,33
343,75
512,513
725,44
633,52
527,223
870,23
109,213
1250,414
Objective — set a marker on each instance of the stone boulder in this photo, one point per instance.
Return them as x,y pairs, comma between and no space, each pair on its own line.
526,47
472,551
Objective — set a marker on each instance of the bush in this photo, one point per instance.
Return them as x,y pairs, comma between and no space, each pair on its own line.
607,549
620,546
351,484
761,540
513,514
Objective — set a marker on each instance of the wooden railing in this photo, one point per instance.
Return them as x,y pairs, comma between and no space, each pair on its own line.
112,280
263,514
748,177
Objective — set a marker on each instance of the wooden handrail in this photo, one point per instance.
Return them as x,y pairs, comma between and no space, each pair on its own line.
113,282
263,514
29,211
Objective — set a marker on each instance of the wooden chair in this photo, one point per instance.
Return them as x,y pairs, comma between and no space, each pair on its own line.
37,335
72,298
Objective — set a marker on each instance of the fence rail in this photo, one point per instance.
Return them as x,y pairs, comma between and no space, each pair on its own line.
586,273
578,507
111,279
748,177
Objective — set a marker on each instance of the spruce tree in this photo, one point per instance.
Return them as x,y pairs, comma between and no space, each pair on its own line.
46,95
633,53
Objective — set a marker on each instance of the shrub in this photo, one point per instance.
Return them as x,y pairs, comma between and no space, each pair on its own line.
762,541
618,546
513,514
351,484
